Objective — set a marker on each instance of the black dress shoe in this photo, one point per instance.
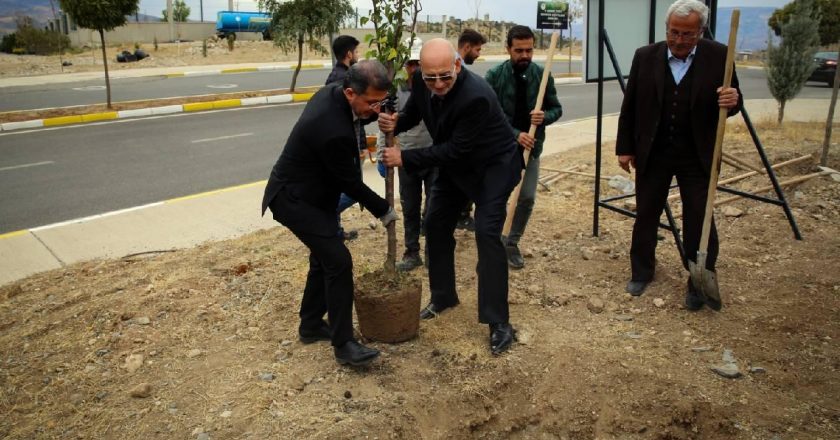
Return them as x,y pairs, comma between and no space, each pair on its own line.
636,288
309,335
355,354
695,300
502,335
432,310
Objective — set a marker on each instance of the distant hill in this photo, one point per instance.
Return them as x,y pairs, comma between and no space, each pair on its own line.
41,12
752,29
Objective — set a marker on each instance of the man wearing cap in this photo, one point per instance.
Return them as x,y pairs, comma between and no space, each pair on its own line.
413,184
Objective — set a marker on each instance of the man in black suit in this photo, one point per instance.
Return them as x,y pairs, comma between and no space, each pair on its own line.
316,165
478,160
667,128
346,52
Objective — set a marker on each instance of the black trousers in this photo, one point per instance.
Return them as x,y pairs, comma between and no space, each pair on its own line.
329,283
490,192
329,287
412,188
664,163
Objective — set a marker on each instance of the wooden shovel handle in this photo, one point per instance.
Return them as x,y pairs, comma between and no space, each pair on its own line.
514,196
721,128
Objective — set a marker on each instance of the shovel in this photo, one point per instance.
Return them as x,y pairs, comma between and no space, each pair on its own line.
705,281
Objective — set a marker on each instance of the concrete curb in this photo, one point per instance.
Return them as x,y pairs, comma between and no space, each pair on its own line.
183,108
153,111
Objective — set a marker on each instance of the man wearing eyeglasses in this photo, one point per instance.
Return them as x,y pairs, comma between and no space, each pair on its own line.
667,128
317,164
517,84
346,51
477,159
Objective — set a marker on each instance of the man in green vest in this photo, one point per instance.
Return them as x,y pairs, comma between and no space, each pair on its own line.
517,84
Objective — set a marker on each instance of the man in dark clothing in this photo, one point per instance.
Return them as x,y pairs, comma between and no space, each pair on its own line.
667,128
477,159
517,84
470,43
345,50
317,165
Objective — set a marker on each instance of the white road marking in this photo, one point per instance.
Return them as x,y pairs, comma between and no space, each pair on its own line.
222,86
89,88
27,165
94,217
221,138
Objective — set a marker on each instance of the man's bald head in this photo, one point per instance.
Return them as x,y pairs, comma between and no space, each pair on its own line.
437,50
438,59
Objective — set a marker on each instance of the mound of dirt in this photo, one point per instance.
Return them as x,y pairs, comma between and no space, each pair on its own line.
202,342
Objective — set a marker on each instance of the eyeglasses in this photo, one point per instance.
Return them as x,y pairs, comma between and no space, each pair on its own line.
686,36
443,77
377,105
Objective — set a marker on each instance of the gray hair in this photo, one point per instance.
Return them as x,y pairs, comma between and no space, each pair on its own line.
367,73
684,8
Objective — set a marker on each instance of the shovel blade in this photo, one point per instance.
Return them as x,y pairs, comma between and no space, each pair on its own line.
705,283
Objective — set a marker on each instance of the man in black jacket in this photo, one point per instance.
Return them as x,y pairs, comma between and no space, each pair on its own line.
346,52
667,128
316,165
478,160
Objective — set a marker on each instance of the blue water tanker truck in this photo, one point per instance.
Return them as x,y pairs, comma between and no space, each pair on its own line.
231,22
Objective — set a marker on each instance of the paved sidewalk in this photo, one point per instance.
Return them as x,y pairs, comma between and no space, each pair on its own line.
232,212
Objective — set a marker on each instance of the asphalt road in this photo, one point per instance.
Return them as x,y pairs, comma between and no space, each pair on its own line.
155,87
58,174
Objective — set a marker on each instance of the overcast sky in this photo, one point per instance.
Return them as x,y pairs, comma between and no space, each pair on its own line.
507,10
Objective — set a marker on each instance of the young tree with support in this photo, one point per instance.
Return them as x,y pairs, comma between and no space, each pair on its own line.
388,302
101,15
393,22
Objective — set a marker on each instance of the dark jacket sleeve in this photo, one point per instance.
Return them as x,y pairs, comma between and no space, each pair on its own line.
625,143
346,173
460,144
551,104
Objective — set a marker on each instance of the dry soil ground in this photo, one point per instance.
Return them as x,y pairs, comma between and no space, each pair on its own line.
201,342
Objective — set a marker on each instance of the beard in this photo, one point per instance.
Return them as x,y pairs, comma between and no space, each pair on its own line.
521,65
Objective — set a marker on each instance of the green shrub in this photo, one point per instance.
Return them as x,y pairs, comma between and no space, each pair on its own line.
41,41
8,43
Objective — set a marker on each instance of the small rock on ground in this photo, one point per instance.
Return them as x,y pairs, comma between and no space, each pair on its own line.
595,305
729,371
141,390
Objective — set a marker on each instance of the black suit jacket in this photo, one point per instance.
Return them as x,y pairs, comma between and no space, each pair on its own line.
317,164
642,105
468,128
